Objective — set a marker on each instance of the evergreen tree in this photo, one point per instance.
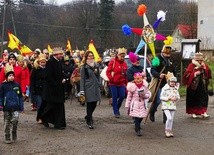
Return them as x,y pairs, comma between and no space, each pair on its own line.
106,21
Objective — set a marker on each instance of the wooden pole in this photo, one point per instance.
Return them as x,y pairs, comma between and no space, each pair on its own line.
145,56
159,82
3,27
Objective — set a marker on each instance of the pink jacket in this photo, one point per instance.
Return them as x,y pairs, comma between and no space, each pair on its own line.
135,102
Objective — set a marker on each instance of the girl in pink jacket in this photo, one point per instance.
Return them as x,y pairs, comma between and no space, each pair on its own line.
137,98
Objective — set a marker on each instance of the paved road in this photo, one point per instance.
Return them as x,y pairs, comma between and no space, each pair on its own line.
112,136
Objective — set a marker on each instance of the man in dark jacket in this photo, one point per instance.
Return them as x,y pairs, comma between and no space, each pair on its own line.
54,112
157,72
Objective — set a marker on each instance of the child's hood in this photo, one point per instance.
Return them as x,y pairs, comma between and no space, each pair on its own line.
131,87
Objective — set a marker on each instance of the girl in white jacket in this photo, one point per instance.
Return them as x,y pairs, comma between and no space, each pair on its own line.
169,97
135,102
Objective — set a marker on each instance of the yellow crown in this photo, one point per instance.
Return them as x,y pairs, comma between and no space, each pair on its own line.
169,75
8,69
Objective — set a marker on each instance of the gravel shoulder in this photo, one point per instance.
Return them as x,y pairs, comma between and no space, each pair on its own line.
111,135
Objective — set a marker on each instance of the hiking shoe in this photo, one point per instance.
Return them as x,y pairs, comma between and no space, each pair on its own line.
7,140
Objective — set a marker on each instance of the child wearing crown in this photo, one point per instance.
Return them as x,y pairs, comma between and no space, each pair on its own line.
137,98
169,97
11,100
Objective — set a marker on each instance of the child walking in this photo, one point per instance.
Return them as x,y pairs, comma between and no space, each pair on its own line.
169,97
137,98
12,101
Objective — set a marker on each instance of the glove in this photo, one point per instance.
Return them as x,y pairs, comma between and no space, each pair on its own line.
81,93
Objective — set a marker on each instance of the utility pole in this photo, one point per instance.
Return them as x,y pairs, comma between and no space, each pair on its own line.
3,27
12,18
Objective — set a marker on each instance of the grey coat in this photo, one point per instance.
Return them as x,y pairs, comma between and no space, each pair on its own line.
90,83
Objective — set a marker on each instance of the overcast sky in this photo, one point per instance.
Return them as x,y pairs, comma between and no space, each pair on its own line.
65,1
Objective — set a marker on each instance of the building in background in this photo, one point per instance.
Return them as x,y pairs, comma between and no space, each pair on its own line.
183,32
206,24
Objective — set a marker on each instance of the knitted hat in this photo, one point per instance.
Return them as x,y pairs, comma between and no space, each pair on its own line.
199,56
12,55
37,51
132,57
8,70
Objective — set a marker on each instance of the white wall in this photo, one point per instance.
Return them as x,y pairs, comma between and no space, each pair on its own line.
206,23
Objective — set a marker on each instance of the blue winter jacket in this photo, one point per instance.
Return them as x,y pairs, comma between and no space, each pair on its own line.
11,98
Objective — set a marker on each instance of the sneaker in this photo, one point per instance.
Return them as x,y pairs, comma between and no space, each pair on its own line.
171,134
167,133
117,116
194,116
205,115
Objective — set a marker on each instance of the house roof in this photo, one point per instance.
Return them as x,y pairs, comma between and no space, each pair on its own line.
188,31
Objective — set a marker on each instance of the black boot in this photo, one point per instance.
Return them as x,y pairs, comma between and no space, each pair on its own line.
152,116
91,125
138,132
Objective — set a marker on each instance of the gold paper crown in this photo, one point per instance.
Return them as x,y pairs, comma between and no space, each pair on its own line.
8,69
42,57
167,44
199,56
66,58
170,77
121,50
20,58
57,50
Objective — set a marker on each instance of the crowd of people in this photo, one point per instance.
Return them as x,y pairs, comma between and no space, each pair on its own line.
46,80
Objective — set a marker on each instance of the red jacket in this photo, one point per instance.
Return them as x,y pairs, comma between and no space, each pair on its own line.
26,79
19,77
116,72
